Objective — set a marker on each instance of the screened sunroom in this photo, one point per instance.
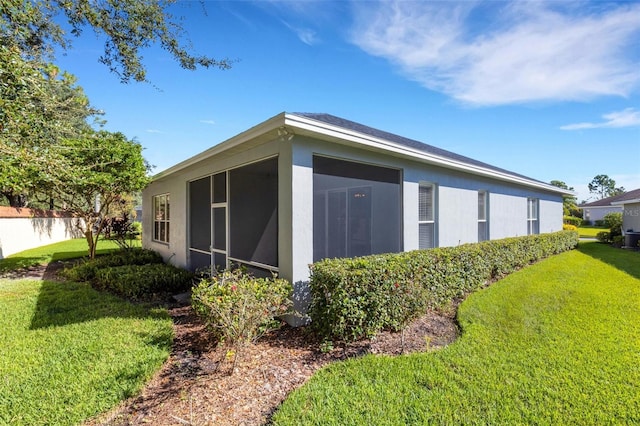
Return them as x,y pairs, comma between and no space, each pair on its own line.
298,188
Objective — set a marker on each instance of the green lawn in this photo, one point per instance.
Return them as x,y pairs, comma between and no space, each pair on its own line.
590,231
68,352
555,343
69,249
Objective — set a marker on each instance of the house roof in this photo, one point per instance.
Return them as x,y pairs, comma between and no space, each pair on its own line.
409,143
615,200
342,131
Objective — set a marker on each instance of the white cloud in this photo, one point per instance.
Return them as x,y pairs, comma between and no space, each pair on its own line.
208,122
497,53
629,117
154,131
306,35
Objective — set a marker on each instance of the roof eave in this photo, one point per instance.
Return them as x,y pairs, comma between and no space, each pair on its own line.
340,133
623,202
261,129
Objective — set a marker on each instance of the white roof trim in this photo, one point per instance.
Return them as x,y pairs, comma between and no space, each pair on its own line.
371,141
260,129
356,138
623,202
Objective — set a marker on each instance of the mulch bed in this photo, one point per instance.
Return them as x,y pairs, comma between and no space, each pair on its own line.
198,385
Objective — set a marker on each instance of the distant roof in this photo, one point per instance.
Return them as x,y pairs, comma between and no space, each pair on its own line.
616,199
401,140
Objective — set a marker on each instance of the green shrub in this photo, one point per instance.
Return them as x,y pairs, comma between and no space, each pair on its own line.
599,223
142,282
239,308
355,298
617,241
86,271
603,237
613,221
586,222
572,220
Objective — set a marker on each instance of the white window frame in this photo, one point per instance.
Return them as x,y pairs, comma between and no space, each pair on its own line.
428,221
484,217
533,211
164,199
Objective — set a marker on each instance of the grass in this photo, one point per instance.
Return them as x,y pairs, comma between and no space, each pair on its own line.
69,249
68,352
555,343
590,231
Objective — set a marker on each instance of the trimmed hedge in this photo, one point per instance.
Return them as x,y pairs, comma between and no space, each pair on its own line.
572,220
86,271
138,282
358,297
136,274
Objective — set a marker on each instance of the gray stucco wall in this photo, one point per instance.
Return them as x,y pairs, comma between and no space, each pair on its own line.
598,213
631,217
456,202
177,251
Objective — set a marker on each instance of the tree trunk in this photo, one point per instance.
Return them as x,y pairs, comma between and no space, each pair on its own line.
16,200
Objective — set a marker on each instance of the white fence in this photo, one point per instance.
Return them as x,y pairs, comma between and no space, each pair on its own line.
22,229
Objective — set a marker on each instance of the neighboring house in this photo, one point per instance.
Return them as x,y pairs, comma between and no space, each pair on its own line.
630,204
301,187
596,210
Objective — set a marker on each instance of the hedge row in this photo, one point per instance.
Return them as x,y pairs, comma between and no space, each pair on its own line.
86,271
136,274
143,282
358,297
572,220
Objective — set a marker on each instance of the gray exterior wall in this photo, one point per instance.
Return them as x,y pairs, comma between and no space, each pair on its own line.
598,212
631,217
177,251
456,202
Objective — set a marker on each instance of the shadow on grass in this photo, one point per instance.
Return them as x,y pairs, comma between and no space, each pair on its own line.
622,259
65,303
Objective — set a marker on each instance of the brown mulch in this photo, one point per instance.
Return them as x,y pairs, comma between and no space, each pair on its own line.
198,385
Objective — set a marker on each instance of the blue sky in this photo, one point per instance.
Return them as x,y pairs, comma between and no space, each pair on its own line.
547,89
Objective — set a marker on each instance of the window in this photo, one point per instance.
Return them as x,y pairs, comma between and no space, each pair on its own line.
532,216
483,224
357,209
161,218
426,216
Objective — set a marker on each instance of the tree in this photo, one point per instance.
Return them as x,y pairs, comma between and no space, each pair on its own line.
603,186
101,166
127,26
38,107
569,202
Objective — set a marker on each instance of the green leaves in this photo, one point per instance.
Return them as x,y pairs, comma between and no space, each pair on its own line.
127,27
356,298
239,308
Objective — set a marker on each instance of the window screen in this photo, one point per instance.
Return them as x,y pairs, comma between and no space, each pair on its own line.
253,213
426,216
357,209
200,214
161,218
483,228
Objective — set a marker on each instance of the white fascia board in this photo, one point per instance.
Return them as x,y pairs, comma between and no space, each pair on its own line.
623,202
332,131
252,133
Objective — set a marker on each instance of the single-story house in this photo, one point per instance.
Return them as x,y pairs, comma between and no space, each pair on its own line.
596,210
630,204
301,187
